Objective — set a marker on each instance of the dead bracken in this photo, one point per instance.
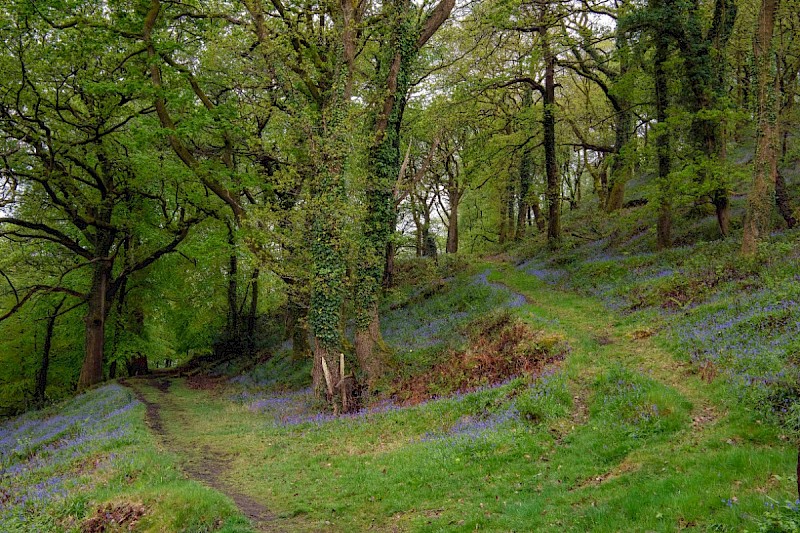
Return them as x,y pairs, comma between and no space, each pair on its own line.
500,346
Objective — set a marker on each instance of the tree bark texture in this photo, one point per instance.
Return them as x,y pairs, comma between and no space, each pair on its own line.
551,163
452,227
370,349
765,164
95,323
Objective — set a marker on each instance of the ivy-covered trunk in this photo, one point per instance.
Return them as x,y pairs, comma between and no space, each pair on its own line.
765,164
329,267
623,130
550,161
384,163
327,286
405,40
664,225
704,58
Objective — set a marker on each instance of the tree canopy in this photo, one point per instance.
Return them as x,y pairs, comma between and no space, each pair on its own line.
185,178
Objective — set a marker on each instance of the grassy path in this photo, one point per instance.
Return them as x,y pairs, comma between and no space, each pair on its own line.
691,462
171,423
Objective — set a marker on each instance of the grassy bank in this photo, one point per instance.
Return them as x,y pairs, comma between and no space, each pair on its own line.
92,463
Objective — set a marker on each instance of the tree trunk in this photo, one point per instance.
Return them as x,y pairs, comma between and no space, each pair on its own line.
765,168
538,216
418,234
252,315
452,228
327,293
664,225
783,202
551,163
503,232
623,129
705,64
525,180
722,207
233,289
509,212
384,161
616,196
370,348
41,374
95,326
388,269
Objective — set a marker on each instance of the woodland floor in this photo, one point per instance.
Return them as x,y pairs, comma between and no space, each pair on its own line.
711,470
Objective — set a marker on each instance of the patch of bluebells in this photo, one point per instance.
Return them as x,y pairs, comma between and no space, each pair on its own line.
43,456
538,269
508,298
749,342
320,418
605,257
300,407
635,239
779,517
437,320
252,380
548,389
473,428
658,274
752,341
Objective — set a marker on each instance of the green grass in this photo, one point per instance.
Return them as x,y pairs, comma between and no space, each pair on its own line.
622,436
601,458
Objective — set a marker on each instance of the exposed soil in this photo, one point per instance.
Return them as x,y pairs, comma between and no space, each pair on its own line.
207,465
120,516
209,468
153,410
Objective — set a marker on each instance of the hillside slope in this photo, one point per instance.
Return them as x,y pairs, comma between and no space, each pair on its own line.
618,430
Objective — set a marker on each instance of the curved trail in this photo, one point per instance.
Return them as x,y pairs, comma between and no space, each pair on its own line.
356,477
205,464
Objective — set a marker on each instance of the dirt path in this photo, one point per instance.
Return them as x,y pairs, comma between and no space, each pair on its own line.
204,465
